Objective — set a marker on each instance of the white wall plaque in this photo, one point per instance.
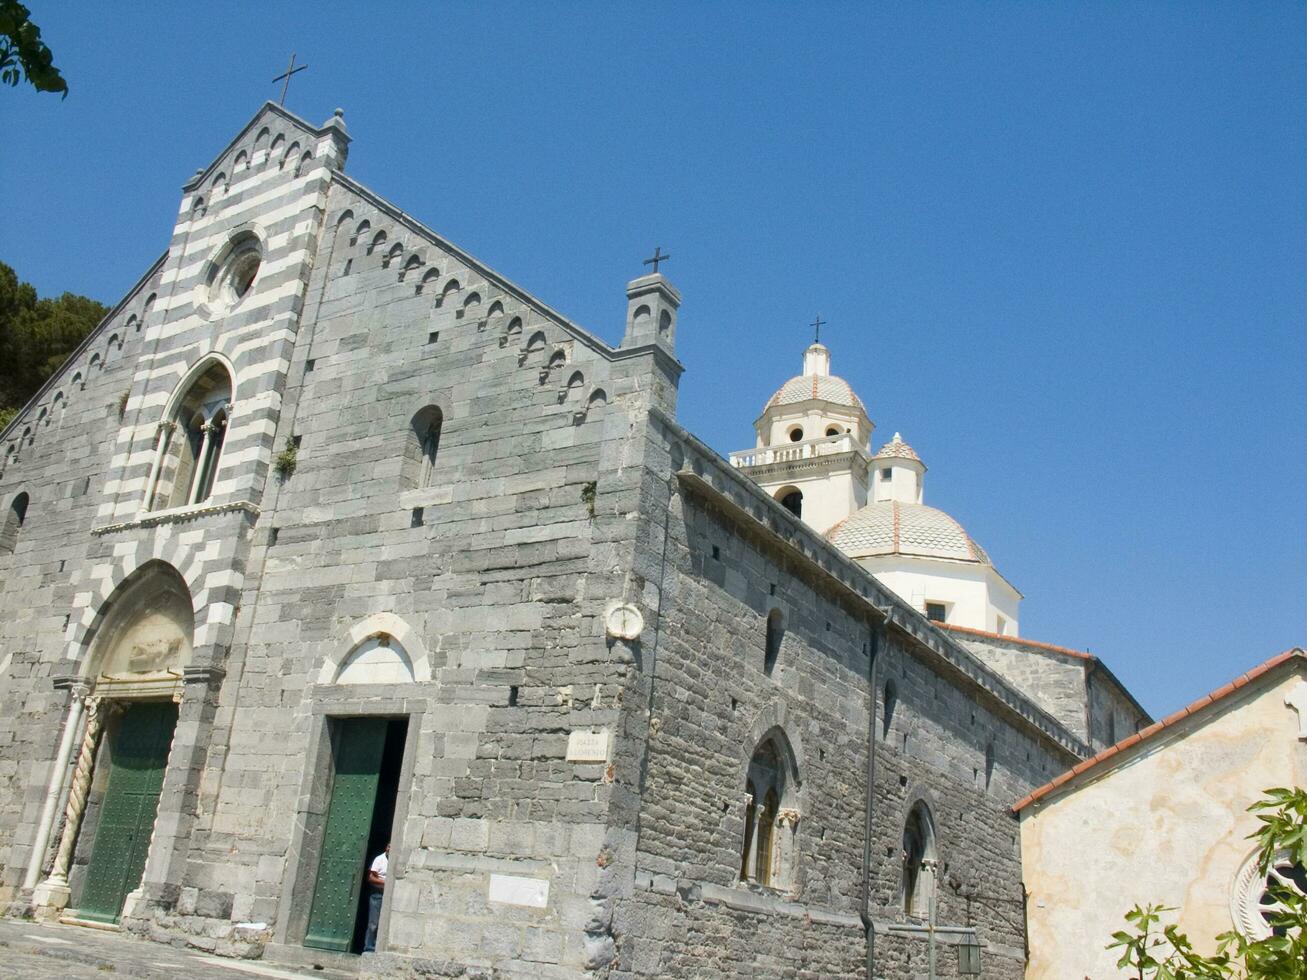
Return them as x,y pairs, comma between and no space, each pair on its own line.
512,890
588,746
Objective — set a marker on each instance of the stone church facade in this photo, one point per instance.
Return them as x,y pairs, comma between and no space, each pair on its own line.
330,536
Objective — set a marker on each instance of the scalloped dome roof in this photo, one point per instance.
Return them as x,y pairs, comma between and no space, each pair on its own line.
896,448
894,528
826,387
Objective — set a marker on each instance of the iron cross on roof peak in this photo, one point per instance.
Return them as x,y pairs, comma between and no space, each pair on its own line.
816,325
657,257
291,69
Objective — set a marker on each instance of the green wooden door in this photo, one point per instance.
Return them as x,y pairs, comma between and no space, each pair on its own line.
138,753
357,748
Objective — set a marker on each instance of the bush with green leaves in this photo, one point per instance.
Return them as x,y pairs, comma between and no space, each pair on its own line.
1154,950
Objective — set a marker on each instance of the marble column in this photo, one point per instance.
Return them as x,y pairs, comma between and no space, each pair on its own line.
58,773
53,892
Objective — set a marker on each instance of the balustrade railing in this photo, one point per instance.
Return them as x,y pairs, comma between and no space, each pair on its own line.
809,448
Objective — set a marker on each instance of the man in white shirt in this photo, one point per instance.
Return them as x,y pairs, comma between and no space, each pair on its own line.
376,889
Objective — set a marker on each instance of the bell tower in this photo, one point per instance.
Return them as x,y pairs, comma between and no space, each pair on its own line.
651,305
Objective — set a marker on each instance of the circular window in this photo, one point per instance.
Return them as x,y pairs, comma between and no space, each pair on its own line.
232,275
1252,903
796,435
243,271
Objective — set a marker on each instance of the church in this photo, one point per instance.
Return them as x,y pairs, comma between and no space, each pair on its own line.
331,538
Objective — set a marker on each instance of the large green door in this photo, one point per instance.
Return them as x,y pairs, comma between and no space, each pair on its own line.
138,753
357,748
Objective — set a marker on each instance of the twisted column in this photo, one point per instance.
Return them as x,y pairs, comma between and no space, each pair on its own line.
77,792
53,893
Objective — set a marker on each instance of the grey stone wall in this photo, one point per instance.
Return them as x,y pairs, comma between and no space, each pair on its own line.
59,451
501,567
1056,682
1072,686
686,912
1113,713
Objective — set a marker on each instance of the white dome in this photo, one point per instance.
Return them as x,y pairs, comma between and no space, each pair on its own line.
892,527
807,386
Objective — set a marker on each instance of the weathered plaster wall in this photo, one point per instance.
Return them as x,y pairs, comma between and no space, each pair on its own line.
1166,823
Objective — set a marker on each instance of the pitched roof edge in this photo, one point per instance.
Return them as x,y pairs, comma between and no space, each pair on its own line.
1095,663
198,179
1170,721
1022,641
413,224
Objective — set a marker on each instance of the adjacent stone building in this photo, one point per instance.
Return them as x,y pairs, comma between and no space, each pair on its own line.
330,536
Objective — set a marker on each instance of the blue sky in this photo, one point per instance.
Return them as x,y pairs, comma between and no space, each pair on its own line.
1061,247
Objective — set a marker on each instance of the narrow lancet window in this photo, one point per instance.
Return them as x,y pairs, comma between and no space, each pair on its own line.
771,815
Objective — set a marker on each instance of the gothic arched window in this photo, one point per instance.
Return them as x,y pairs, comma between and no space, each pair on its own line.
188,448
919,862
771,815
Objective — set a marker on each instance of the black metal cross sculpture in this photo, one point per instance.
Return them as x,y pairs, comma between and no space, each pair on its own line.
816,325
656,258
291,69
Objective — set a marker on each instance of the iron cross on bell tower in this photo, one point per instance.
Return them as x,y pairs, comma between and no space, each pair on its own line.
651,305
657,257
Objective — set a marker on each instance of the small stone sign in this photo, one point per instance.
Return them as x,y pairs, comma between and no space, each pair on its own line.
515,890
588,746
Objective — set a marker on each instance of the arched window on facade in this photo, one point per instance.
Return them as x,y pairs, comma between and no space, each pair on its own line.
771,815
772,642
188,450
791,499
419,467
919,862
15,517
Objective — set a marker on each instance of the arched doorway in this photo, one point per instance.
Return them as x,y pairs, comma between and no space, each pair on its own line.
134,676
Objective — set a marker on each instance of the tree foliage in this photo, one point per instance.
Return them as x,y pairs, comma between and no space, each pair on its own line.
1153,950
23,55
36,335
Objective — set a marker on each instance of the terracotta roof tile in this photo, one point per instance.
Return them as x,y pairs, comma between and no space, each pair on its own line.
1206,701
1079,654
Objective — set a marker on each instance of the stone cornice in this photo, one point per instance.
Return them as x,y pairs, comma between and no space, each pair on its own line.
178,514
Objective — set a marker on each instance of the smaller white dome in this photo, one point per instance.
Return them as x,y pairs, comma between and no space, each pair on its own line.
891,527
896,448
